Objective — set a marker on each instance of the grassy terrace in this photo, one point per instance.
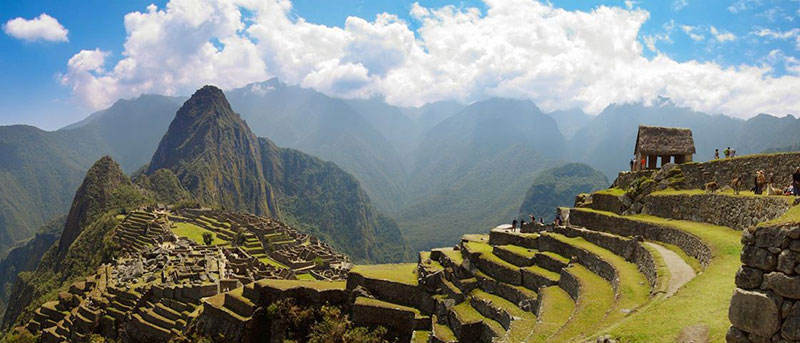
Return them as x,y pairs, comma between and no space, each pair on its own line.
195,233
596,298
519,251
425,259
557,307
611,191
703,300
633,289
378,303
792,216
689,192
289,284
270,262
405,273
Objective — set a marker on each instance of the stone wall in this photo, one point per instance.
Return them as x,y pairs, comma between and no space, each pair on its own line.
782,165
394,292
570,284
589,260
607,202
691,244
625,178
766,303
629,249
736,212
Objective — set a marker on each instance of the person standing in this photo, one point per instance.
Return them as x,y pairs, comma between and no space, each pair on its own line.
716,154
632,163
514,224
533,218
796,182
727,152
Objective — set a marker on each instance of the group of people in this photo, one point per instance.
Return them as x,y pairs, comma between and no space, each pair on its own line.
762,184
729,153
557,221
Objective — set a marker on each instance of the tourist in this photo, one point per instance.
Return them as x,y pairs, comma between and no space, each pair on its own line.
514,224
733,153
541,220
632,163
521,224
796,182
727,152
533,218
644,160
716,154
558,220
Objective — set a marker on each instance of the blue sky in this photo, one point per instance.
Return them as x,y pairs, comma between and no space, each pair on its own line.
730,34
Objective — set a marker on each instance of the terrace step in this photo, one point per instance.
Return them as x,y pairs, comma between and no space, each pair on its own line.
238,303
594,298
556,308
516,255
469,325
488,263
441,333
499,309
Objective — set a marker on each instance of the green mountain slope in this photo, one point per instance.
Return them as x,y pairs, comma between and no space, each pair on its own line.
557,187
217,158
83,246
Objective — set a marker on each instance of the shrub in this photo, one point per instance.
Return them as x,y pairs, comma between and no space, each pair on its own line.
208,238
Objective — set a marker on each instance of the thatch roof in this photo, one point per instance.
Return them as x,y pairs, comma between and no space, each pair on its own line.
662,141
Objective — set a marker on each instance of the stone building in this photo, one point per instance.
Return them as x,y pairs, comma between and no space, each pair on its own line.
672,145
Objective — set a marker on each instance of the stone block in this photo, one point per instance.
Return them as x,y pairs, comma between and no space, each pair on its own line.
783,285
791,325
794,246
749,278
770,237
787,260
758,258
735,335
754,312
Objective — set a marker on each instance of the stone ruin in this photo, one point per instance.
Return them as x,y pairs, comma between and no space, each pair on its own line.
155,288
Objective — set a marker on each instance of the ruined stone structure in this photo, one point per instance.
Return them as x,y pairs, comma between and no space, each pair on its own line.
765,306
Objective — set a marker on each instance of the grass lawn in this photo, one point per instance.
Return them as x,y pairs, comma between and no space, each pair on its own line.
596,298
611,191
690,192
289,284
305,277
270,262
195,233
379,303
703,300
557,307
792,216
405,273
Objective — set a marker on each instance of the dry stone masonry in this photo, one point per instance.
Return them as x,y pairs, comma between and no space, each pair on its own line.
765,306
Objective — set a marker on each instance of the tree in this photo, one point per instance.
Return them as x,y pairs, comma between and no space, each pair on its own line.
208,238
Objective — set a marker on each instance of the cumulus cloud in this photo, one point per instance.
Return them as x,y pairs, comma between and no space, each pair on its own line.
721,36
691,32
518,48
43,27
679,4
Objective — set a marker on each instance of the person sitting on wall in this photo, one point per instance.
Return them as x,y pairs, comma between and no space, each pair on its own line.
796,182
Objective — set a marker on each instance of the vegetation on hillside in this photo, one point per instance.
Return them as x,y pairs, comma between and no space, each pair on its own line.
557,187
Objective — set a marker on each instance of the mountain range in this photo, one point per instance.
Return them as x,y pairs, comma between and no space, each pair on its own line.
442,169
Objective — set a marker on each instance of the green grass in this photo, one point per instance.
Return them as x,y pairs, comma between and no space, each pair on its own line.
289,284
555,256
703,300
305,277
544,272
596,298
425,259
443,333
379,303
611,191
405,273
662,271
486,253
792,216
690,192
270,262
556,309
519,251
195,233
421,336
454,255
633,289
467,314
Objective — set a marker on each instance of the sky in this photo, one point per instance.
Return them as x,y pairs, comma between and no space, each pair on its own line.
62,60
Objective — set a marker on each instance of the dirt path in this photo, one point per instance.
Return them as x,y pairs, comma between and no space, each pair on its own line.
680,271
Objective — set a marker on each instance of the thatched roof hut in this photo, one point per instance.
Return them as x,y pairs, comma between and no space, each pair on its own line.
664,141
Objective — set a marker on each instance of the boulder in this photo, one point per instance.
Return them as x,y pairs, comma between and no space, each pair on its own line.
749,278
758,258
754,312
783,285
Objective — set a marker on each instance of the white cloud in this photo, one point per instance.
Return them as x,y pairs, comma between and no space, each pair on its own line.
722,37
690,31
784,35
519,48
743,5
679,4
43,27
